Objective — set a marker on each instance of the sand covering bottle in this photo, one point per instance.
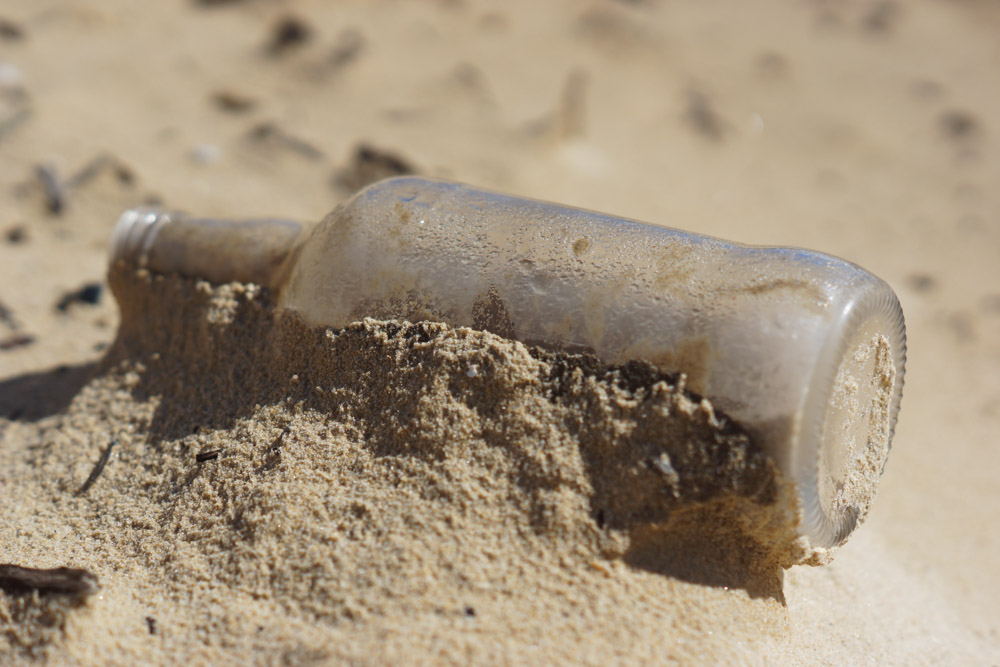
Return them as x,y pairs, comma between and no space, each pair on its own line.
805,350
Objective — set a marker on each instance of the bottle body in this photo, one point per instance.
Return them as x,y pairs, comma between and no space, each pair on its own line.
770,335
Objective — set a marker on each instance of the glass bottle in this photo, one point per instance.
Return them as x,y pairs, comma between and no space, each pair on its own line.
805,350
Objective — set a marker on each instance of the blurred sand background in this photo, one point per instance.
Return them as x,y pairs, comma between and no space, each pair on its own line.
864,129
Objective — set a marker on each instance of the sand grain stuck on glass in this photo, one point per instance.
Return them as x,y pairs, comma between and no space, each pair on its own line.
389,491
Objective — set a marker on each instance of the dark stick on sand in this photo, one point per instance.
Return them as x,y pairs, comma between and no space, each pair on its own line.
98,467
55,191
201,457
105,161
8,124
64,580
270,133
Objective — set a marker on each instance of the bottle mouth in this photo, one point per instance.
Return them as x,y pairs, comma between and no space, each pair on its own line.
135,233
849,421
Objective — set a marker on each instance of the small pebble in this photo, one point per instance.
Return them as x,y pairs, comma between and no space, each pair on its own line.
959,124
990,303
89,294
10,76
206,153
10,31
772,65
16,234
882,17
920,282
703,117
233,102
289,32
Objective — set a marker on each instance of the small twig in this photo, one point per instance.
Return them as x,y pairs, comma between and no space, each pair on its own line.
572,119
100,163
233,102
98,468
55,190
90,294
10,123
273,452
271,133
66,580
201,457
7,316
16,340
369,164
275,446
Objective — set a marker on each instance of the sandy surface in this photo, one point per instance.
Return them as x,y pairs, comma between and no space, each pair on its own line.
861,129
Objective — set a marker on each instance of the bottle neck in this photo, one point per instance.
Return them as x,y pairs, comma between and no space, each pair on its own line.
220,251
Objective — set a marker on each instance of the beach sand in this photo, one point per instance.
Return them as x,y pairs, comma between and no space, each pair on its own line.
248,489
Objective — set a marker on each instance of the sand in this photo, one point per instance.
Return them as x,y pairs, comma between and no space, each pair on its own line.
444,531
864,433
395,478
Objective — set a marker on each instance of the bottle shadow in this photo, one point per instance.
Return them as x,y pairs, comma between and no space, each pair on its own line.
706,555
34,396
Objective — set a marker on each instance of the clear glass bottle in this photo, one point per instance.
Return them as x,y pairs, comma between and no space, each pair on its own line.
806,350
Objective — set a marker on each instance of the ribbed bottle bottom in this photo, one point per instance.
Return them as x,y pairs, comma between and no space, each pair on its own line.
848,425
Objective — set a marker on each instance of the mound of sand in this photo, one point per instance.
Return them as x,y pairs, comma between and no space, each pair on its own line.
389,490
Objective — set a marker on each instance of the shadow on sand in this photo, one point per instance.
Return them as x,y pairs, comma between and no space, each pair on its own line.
34,396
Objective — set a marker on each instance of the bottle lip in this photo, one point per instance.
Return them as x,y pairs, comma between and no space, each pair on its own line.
880,308
135,233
